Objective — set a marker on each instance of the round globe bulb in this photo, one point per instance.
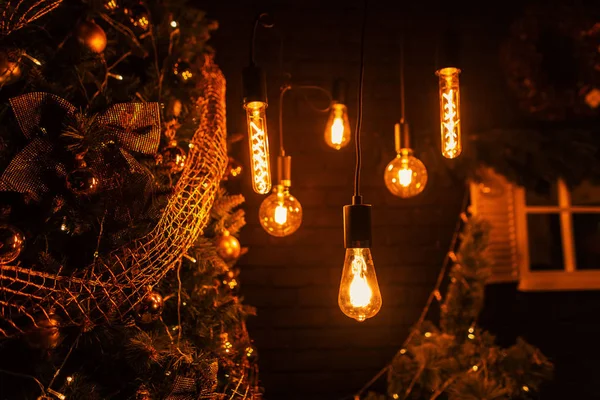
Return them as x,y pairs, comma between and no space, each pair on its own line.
405,176
280,214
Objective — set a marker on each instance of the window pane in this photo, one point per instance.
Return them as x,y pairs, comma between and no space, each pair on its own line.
545,244
585,194
586,232
542,197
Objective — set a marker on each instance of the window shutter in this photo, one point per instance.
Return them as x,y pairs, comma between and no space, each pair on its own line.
494,201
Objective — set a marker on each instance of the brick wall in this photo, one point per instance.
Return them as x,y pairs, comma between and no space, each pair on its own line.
308,348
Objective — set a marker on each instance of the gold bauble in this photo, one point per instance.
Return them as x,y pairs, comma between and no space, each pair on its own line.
228,246
150,308
91,35
10,71
12,242
45,334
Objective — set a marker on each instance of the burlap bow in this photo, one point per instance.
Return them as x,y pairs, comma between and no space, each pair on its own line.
43,117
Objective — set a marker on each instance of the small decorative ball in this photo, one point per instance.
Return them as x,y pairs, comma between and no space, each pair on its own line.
183,71
12,242
142,393
174,108
10,71
91,35
150,308
138,15
45,334
172,157
82,181
234,169
228,246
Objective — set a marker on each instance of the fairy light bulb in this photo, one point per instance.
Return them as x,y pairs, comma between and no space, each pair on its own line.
450,111
405,176
280,214
255,104
337,130
359,296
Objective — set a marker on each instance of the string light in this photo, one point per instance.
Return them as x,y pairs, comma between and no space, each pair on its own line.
359,295
115,76
475,368
449,94
255,104
427,334
173,24
405,176
280,214
525,388
69,379
337,129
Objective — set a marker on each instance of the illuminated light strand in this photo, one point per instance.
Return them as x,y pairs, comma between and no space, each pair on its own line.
260,160
450,123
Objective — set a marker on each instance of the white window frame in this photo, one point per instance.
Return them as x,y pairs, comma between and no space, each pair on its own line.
570,278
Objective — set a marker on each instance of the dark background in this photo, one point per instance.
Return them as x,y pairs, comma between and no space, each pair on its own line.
308,348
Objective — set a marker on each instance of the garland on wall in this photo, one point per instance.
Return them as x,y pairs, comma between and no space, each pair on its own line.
457,359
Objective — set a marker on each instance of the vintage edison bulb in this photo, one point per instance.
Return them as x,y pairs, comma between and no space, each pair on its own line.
337,130
359,295
258,141
450,112
280,214
405,176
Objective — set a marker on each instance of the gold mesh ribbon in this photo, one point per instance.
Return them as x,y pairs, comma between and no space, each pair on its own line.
202,387
110,288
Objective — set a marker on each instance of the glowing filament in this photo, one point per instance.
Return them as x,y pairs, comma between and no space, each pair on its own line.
405,176
337,131
450,112
360,292
259,147
280,215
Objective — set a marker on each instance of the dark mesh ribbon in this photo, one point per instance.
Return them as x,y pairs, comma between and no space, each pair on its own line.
202,387
42,118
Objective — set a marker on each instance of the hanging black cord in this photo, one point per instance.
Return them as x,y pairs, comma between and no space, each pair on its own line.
284,89
357,198
257,21
402,110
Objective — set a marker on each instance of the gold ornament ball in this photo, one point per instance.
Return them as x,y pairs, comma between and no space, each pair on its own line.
173,157
150,308
10,71
142,394
228,247
91,35
12,242
82,181
45,334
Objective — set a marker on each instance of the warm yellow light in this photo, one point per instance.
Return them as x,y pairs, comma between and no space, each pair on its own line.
173,24
337,130
359,295
259,146
450,112
405,176
280,214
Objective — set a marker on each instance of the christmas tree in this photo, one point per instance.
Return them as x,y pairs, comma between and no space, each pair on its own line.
457,359
118,238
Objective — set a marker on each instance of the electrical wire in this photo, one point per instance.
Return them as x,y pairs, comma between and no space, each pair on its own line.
402,102
282,93
257,21
356,197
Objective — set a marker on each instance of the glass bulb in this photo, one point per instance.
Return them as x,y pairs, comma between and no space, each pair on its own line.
359,295
258,140
450,112
405,176
280,214
337,130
